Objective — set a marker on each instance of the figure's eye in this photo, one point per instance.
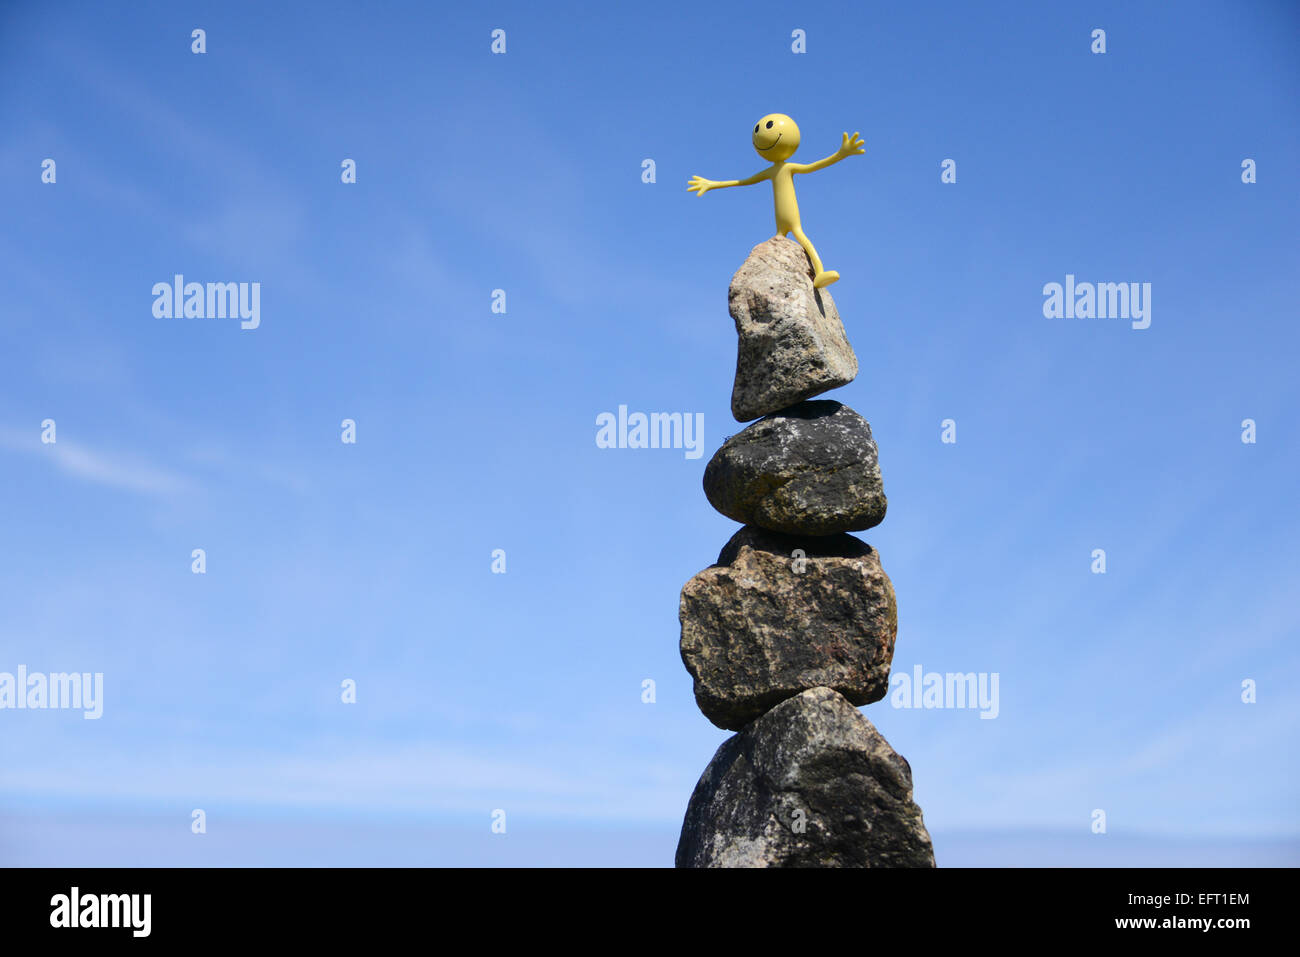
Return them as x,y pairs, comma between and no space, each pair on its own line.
769,124
755,127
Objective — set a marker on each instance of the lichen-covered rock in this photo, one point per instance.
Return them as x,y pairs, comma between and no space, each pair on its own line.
811,469
792,344
781,614
809,784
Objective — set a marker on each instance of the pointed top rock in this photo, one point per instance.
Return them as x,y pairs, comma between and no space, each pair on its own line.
792,344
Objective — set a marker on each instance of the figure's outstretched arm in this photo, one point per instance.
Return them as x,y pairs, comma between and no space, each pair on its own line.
849,146
699,185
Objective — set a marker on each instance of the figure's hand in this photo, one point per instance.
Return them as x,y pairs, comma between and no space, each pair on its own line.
851,145
699,185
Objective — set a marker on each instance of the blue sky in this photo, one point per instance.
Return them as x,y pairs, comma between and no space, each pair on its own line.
476,431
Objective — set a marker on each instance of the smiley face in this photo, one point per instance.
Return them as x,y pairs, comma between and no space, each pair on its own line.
776,137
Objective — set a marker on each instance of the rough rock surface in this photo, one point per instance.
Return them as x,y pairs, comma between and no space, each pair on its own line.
792,343
810,784
811,469
765,624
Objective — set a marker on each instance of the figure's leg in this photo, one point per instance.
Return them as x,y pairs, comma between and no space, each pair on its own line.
821,278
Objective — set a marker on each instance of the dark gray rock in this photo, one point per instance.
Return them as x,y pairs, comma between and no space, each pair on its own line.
791,344
766,623
809,784
811,469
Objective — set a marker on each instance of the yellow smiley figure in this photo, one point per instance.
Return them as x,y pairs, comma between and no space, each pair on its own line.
776,137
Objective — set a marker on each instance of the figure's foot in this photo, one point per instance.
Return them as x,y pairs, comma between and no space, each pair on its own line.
824,279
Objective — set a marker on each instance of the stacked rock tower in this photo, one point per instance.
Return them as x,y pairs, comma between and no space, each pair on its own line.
794,627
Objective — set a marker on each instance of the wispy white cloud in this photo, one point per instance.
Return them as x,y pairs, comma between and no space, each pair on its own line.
218,456
135,473
114,470
423,777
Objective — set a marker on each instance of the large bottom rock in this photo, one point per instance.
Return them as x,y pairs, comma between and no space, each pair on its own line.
810,784
780,614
